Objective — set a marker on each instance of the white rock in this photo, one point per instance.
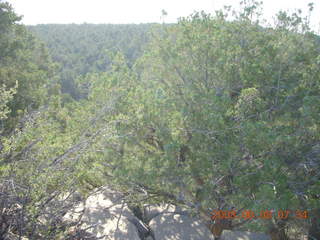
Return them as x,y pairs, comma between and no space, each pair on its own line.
238,235
108,216
179,227
154,210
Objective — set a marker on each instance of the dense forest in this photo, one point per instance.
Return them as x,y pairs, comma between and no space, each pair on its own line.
82,49
215,112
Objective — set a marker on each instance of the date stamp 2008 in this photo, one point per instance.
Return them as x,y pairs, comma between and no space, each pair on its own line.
265,214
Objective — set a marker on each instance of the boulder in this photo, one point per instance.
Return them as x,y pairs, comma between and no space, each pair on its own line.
155,210
238,235
105,215
170,226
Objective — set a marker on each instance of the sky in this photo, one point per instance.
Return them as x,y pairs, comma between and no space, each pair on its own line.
136,11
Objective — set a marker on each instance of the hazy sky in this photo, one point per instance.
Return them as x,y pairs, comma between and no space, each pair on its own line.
133,11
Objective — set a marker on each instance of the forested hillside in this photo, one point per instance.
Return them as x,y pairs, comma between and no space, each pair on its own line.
211,113
85,48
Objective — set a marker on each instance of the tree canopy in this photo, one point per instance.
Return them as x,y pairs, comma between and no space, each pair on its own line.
210,113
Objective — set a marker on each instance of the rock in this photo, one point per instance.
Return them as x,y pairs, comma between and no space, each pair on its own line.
144,231
105,215
153,211
168,226
238,235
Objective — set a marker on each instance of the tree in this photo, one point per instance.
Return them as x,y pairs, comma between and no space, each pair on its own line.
217,114
24,61
83,49
5,97
221,116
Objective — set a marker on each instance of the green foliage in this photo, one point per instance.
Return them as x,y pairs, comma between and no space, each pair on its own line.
24,64
5,97
82,49
235,99
216,113
248,104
